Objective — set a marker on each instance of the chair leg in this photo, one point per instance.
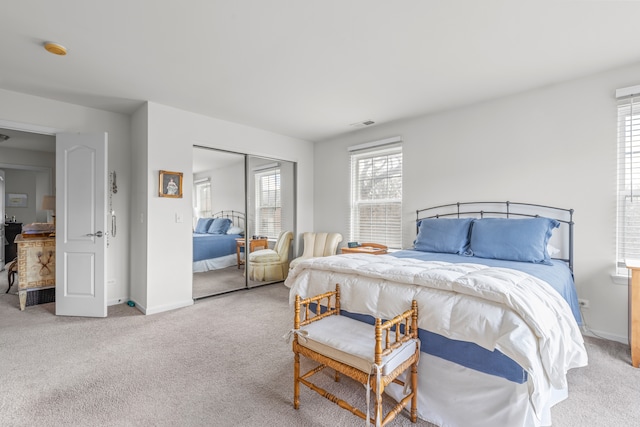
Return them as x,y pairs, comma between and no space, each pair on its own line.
296,380
378,406
414,389
11,274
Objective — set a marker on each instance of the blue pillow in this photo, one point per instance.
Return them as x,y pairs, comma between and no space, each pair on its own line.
203,225
522,240
446,235
219,226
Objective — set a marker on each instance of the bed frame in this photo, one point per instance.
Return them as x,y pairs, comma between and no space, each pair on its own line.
237,218
564,240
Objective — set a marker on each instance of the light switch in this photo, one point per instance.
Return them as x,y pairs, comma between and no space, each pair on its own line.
179,217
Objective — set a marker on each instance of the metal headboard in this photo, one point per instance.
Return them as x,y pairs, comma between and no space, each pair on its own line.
237,217
509,210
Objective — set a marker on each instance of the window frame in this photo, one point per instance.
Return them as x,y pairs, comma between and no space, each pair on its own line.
273,231
628,181
198,186
392,234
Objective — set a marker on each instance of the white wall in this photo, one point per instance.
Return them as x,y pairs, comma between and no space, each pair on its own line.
168,246
36,167
139,206
554,146
22,182
34,111
227,186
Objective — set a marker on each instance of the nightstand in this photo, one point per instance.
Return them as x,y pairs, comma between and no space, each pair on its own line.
366,248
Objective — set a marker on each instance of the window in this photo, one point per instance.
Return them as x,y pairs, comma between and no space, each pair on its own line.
628,228
203,198
376,195
268,203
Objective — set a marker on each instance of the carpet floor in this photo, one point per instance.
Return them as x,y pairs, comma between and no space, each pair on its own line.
216,282
220,362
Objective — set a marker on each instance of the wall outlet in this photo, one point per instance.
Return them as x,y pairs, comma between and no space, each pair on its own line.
584,303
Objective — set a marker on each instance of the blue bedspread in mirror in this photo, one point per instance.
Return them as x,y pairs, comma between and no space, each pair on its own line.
207,246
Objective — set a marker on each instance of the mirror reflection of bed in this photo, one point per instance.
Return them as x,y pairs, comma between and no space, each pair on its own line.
218,251
220,222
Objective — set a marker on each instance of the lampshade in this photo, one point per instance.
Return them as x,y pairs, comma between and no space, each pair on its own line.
49,203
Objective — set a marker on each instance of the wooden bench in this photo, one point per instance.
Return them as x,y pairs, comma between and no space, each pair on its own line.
374,355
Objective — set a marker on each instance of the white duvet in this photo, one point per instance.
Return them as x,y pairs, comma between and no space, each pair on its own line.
496,308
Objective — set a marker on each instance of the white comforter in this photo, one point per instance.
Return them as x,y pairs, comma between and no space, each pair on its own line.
496,308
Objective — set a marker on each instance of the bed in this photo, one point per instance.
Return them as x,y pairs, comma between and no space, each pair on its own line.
499,317
214,240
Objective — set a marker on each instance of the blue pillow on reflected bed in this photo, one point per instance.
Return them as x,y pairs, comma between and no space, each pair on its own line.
523,239
219,226
203,225
443,235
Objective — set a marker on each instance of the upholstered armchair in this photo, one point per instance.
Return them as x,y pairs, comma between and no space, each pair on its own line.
267,265
318,245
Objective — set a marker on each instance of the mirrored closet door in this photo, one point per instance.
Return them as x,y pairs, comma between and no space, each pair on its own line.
242,204
270,218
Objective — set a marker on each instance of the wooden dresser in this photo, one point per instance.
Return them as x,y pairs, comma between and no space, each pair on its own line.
634,311
36,266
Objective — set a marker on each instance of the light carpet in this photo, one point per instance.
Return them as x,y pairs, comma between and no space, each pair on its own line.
216,282
220,362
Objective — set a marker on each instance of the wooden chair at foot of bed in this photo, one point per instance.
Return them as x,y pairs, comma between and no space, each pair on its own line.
374,355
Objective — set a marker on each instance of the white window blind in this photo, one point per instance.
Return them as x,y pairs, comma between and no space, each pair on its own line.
376,196
203,198
628,227
268,203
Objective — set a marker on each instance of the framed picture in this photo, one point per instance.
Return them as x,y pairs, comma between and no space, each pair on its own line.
16,200
170,184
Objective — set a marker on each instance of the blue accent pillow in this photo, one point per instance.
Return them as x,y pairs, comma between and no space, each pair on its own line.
445,235
219,226
522,240
203,225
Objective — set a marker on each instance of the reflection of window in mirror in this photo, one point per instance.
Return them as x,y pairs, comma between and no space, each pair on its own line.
202,198
268,204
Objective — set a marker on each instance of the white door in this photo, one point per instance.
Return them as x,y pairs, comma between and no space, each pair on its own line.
81,196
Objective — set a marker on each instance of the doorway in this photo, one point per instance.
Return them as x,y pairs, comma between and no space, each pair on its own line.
27,173
257,195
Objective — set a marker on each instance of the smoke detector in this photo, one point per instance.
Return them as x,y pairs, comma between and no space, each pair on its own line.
362,124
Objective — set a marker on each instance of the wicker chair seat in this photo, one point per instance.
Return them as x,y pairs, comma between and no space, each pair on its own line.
353,343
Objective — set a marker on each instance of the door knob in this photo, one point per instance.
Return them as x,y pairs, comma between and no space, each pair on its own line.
96,234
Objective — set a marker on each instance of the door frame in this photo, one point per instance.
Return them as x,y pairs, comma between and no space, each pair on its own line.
42,130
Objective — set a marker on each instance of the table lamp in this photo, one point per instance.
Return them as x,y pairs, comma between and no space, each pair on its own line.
49,204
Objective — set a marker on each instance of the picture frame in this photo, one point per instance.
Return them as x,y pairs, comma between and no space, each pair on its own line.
170,184
16,200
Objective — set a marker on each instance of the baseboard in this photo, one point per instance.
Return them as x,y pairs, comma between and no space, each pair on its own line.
168,307
116,301
605,335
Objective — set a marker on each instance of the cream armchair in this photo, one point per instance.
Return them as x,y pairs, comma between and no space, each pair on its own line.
318,245
267,265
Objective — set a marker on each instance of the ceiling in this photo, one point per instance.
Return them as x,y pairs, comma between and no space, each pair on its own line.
28,141
308,69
